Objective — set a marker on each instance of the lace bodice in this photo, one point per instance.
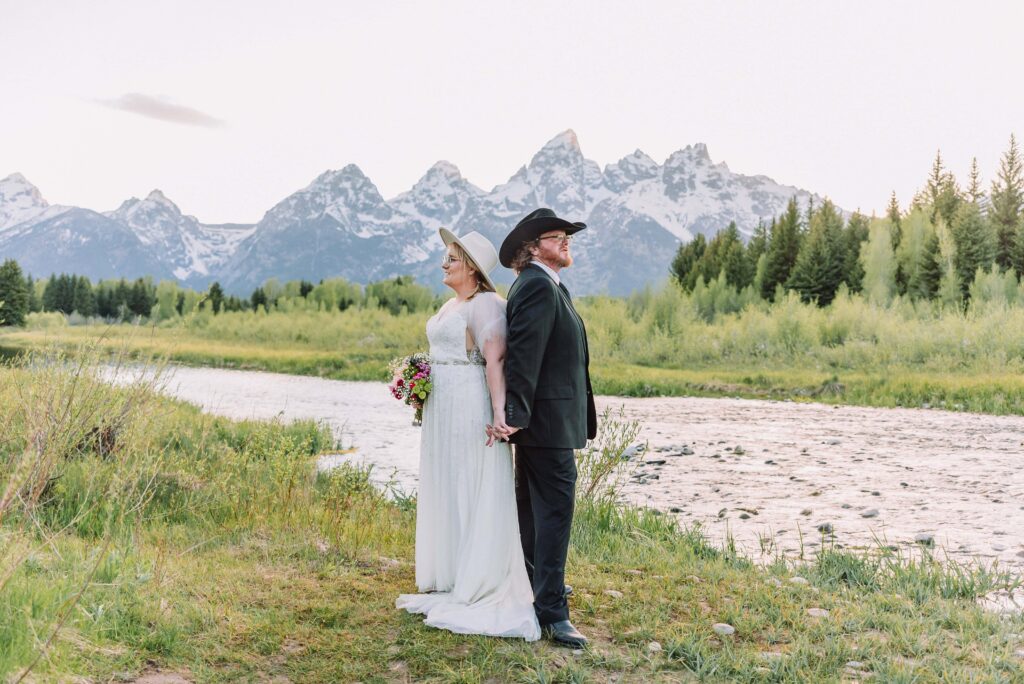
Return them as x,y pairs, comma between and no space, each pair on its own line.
483,316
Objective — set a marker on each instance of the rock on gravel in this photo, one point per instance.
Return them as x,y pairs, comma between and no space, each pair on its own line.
817,612
613,593
654,647
723,629
870,513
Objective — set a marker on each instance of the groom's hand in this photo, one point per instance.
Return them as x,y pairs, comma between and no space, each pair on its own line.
501,430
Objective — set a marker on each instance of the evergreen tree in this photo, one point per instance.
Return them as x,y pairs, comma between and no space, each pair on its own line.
975,243
892,212
216,295
819,265
854,235
726,254
1006,200
940,193
305,287
233,303
102,300
914,252
50,293
685,260
1018,249
757,246
879,262
927,285
13,294
783,247
59,294
34,303
948,290
82,298
258,299
120,297
974,192
139,302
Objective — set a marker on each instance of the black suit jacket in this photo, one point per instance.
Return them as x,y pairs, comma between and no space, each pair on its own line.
547,375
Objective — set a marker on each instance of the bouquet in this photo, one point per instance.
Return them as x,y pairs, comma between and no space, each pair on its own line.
411,382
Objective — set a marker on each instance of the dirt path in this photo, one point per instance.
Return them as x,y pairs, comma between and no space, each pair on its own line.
889,474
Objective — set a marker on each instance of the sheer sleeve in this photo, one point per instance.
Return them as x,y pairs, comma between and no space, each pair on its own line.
486,320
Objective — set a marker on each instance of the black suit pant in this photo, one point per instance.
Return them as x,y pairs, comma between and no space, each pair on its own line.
545,498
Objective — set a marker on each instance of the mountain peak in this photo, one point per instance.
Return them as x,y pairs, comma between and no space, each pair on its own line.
446,169
700,150
565,140
15,178
19,200
696,154
332,176
16,185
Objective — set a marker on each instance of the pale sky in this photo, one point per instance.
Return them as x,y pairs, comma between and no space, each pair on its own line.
229,106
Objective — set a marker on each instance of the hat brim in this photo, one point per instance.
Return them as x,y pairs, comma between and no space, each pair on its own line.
531,230
448,237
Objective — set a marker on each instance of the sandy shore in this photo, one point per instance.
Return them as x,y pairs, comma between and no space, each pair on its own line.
871,474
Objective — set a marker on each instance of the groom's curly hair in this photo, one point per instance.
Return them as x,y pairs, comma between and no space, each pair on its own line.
523,256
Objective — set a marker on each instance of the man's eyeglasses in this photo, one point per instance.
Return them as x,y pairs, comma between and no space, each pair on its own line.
564,239
448,260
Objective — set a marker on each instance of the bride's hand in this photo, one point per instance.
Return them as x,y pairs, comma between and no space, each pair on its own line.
492,435
500,429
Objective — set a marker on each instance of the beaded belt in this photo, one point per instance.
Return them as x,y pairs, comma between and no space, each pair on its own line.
475,359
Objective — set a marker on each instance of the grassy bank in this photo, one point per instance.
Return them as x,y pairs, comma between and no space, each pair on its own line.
655,343
188,543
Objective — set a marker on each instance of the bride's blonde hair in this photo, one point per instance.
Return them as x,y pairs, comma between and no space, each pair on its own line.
481,284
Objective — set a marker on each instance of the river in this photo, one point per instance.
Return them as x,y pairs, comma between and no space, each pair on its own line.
768,473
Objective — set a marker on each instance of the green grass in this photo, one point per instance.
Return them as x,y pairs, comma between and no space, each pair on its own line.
655,343
211,547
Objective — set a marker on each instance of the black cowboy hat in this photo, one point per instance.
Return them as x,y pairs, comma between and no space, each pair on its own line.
530,228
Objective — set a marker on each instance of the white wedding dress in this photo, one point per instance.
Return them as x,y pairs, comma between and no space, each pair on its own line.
468,553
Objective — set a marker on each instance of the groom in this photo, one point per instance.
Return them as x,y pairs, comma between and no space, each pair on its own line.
549,408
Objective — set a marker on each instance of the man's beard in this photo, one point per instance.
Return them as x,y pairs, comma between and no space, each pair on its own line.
564,261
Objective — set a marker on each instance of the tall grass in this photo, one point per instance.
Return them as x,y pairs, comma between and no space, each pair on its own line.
76,461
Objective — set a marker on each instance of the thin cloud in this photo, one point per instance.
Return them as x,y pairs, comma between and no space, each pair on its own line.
161,110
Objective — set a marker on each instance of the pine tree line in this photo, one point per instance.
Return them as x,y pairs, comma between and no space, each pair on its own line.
947,238
121,300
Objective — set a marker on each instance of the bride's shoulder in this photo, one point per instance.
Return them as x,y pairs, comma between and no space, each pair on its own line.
489,300
491,297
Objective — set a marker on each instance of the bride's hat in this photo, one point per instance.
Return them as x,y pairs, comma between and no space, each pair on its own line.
479,250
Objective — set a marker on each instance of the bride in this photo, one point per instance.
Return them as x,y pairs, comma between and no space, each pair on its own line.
469,560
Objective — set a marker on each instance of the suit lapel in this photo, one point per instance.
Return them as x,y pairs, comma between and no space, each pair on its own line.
567,299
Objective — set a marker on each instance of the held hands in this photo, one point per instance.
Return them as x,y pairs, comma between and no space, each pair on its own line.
500,431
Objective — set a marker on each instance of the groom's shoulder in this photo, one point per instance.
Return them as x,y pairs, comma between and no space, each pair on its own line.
530,279
534,286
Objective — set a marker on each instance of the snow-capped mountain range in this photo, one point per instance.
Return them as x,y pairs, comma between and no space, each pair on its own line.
637,212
